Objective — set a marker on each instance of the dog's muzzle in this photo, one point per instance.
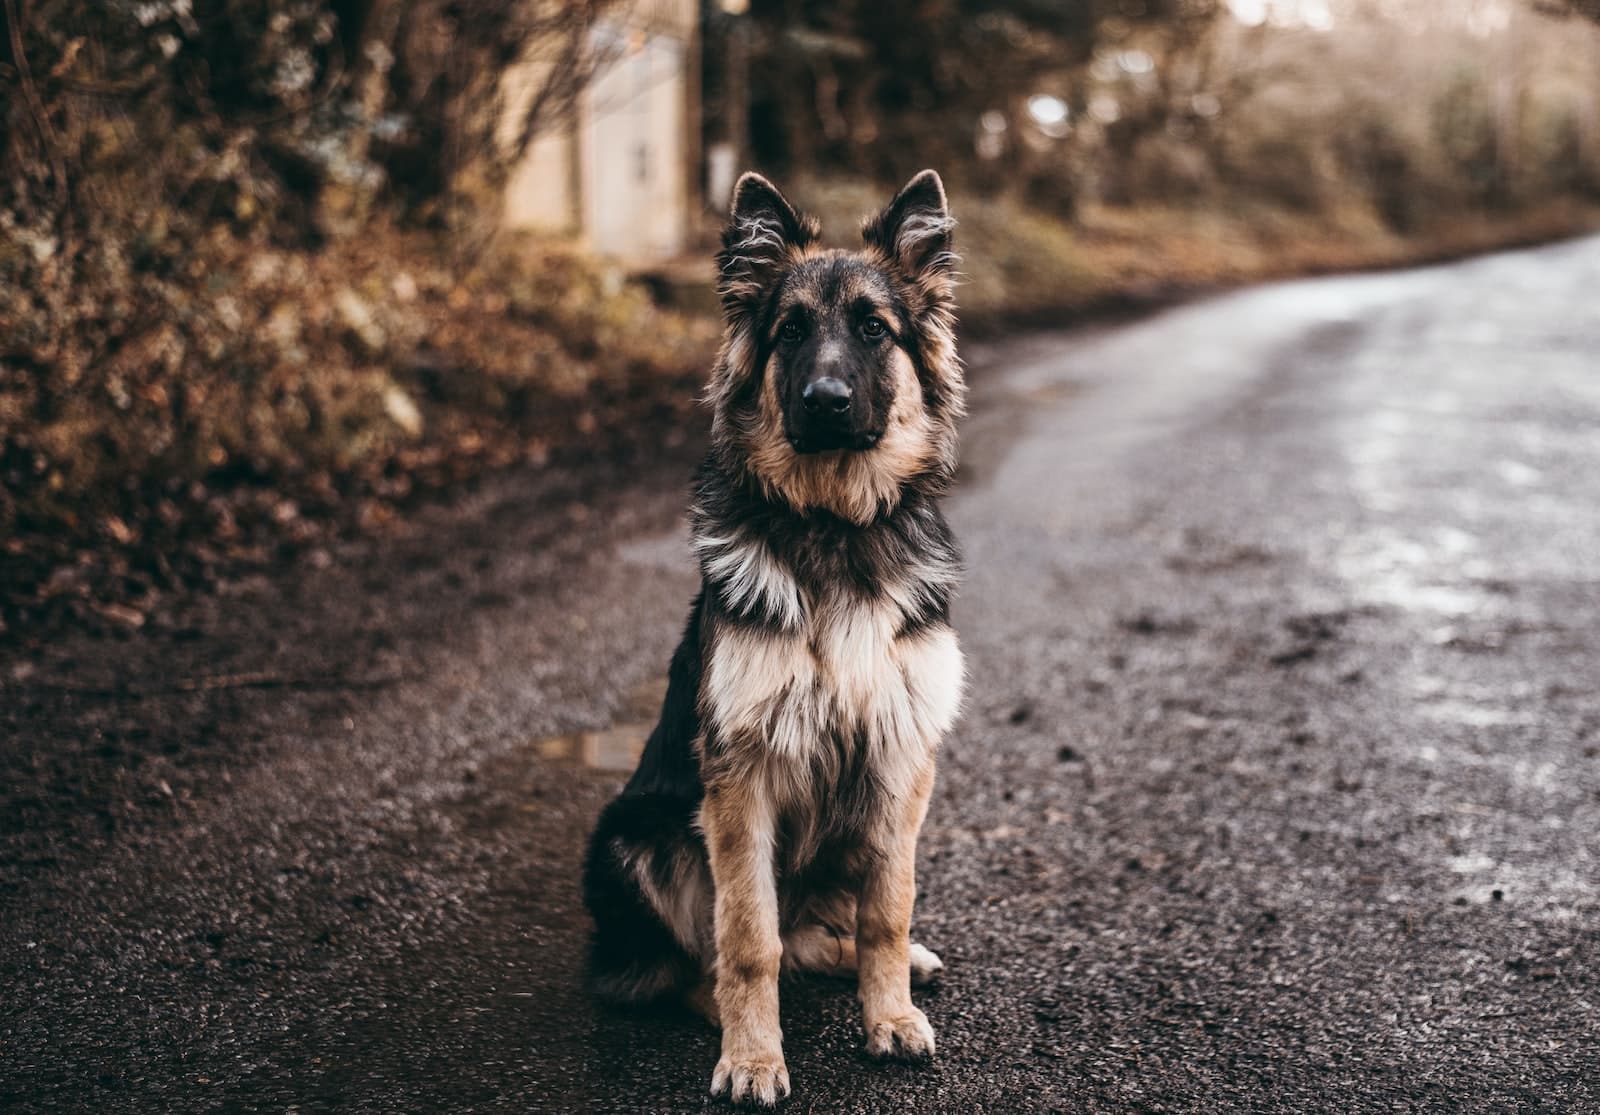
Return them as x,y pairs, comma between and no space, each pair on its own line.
828,418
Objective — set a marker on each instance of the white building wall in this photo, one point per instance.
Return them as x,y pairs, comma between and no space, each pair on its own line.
634,163
628,194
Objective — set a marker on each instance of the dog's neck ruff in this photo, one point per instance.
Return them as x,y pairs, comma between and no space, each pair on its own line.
767,564
860,487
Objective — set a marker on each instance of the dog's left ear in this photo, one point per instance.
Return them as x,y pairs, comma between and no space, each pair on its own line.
764,232
914,232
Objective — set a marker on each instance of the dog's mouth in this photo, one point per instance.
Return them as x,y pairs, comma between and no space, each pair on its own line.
829,441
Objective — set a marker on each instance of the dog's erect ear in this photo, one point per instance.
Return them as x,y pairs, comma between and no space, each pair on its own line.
763,233
914,232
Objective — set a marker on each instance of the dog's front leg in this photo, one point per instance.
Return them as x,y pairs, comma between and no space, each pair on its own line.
739,837
895,1028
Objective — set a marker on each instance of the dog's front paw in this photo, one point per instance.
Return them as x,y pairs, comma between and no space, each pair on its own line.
761,1079
908,1037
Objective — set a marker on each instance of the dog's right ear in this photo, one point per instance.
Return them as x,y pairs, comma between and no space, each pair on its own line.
763,235
913,233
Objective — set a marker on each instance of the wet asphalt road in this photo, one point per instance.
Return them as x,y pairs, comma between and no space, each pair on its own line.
1278,787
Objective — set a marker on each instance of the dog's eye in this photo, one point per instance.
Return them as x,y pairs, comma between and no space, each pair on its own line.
873,328
791,332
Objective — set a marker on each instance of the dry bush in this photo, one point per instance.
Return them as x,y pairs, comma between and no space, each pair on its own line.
257,396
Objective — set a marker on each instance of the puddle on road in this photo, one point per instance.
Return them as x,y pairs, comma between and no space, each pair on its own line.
1517,474
1473,715
1438,573
616,747
1450,701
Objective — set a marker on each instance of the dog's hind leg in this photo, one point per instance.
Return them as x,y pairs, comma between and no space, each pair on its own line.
649,890
702,999
822,951
925,965
818,949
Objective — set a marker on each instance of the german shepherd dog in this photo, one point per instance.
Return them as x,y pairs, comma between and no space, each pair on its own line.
772,821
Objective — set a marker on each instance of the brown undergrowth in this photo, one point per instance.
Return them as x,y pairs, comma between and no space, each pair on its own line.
1021,266
171,411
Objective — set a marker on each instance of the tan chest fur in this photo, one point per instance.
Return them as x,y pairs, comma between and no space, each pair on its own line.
840,671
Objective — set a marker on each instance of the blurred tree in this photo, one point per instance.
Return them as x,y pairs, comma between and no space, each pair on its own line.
1589,8
879,86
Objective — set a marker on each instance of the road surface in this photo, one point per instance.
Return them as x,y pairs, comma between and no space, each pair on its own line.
1278,786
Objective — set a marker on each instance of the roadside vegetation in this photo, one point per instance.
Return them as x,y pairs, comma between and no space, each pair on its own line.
1025,267
252,292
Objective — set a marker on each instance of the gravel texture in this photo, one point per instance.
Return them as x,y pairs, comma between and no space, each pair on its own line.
1278,787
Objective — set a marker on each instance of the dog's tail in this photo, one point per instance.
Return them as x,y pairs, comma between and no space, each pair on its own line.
647,885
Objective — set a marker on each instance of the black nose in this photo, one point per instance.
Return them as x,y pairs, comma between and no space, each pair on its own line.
827,394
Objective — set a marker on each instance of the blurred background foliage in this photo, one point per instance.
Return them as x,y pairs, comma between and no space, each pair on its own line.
253,286
1146,144
1304,104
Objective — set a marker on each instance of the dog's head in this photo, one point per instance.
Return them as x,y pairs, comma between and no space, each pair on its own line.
838,382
